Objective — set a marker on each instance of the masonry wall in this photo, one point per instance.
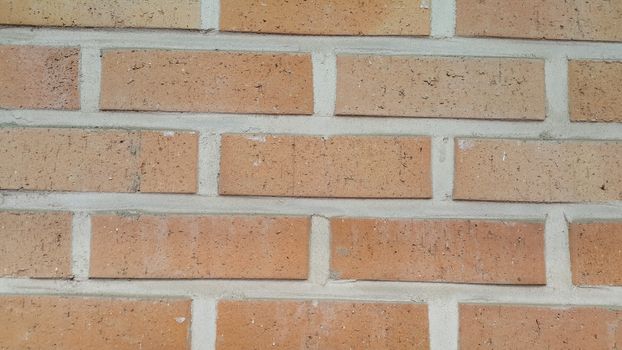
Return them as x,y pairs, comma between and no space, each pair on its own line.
422,174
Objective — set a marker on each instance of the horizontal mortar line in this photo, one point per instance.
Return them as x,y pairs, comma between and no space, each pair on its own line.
345,290
328,207
197,40
316,125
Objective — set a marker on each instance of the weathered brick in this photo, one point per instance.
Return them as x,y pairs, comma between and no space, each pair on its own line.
594,91
596,253
526,328
32,322
537,171
323,325
471,251
314,166
190,246
233,82
94,13
326,17
537,19
35,244
97,160
39,77
475,88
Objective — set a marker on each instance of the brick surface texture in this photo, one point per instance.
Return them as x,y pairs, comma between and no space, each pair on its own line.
296,174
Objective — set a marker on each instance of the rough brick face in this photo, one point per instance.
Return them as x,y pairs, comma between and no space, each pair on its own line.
475,88
31,322
189,246
96,13
472,251
326,17
594,91
39,77
35,244
536,19
313,166
323,325
525,328
232,82
97,160
596,253
537,171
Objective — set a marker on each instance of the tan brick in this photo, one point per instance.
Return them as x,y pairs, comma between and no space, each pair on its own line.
323,325
525,328
35,244
596,253
314,166
594,91
233,82
95,13
31,322
474,88
537,171
537,19
470,251
39,77
189,246
326,17
97,160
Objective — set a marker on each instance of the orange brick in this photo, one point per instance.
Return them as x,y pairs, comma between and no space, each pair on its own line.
537,19
94,13
323,325
188,246
594,91
313,166
31,322
326,17
39,77
525,328
97,160
35,244
596,253
157,80
474,88
537,171
471,251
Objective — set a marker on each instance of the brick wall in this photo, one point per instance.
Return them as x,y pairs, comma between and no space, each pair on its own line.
246,174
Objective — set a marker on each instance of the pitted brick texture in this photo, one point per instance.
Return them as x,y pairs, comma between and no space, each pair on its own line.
594,90
313,166
327,17
321,325
468,251
190,246
191,81
474,88
596,253
39,77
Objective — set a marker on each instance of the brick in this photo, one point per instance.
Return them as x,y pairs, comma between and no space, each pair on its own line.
474,88
31,322
465,251
35,244
321,325
314,166
326,17
596,253
594,91
537,19
97,160
191,81
94,13
39,77
537,171
524,328
190,246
